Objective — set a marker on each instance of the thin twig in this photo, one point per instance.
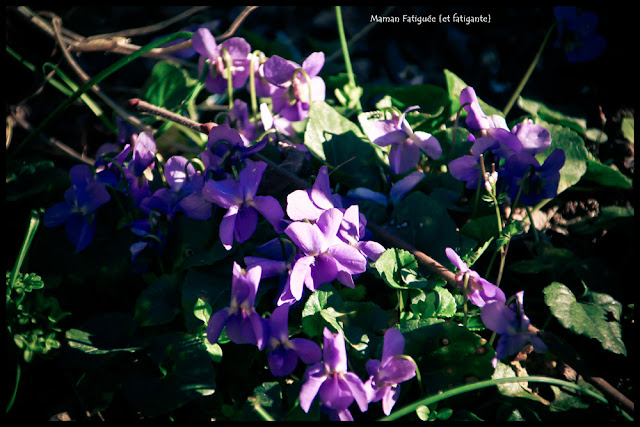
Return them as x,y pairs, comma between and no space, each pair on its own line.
122,45
150,28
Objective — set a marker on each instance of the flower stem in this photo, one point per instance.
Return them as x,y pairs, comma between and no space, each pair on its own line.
484,384
529,71
34,222
345,51
228,61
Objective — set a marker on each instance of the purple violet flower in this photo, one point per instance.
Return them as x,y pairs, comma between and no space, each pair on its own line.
476,118
310,204
576,34
291,94
398,190
352,230
184,192
242,204
532,181
387,374
325,257
336,387
226,147
512,325
284,353
240,320
405,143
238,51
496,145
480,291
78,210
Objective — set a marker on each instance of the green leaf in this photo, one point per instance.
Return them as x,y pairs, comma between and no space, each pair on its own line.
167,86
433,102
338,142
446,353
202,310
589,317
158,302
320,311
436,302
391,264
606,175
627,127
578,125
424,222
188,375
103,334
576,154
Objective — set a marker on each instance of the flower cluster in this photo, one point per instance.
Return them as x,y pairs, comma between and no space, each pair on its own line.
320,235
508,321
509,153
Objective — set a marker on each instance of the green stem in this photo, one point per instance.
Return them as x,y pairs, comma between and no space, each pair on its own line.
15,388
97,79
528,73
228,61
484,384
262,413
252,87
345,51
34,222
